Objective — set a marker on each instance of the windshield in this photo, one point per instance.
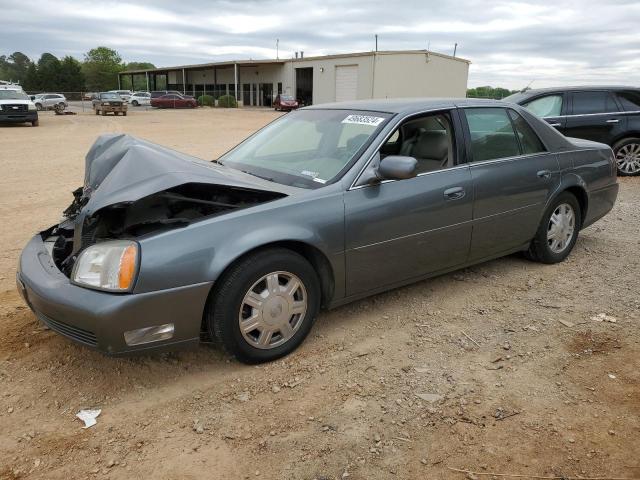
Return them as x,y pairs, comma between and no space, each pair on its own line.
307,148
286,97
110,96
13,95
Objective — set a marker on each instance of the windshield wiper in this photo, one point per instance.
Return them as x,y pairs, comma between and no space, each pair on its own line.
268,179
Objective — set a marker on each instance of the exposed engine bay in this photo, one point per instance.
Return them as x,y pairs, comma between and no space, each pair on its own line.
168,209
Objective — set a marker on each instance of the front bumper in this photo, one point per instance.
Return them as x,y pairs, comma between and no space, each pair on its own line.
113,108
99,319
20,117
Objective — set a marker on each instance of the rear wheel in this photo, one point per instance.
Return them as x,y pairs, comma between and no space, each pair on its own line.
124,114
39,106
558,230
103,113
627,153
135,103
265,305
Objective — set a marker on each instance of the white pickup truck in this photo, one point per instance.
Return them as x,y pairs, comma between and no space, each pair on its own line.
16,106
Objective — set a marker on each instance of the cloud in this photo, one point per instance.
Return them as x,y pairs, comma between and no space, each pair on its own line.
510,43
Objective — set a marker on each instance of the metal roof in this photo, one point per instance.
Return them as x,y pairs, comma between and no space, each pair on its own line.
282,61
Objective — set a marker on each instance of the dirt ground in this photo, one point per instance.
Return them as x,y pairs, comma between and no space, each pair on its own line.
499,368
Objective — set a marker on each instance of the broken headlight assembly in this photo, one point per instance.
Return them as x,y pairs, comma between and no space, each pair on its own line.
111,266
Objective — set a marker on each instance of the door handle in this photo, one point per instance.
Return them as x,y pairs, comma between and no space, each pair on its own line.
555,124
455,193
613,120
544,174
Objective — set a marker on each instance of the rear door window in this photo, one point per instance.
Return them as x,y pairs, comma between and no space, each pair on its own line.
630,100
549,106
492,134
529,140
585,103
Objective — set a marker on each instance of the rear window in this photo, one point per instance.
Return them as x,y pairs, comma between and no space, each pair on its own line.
630,100
492,134
593,102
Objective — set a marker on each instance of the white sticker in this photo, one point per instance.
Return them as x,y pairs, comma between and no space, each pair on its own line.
364,120
309,173
319,180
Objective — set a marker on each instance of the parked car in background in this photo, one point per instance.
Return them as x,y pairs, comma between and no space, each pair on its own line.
608,115
285,102
140,98
124,94
174,100
16,106
109,102
321,207
161,93
46,101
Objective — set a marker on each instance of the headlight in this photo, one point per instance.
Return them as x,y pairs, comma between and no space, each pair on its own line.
111,266
105,103
32,106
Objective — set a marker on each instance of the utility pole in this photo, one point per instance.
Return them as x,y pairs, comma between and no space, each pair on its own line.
376,42
455,48
277,48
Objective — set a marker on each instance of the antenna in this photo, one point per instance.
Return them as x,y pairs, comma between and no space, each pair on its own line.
277,48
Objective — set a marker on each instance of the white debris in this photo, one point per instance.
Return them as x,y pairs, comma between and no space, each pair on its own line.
612,376
603,317
429,397
88,417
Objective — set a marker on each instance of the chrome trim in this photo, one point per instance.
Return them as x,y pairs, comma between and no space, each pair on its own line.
457,167
593,114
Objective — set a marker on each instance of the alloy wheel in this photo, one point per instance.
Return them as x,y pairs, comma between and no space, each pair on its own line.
273,310
562,225
628,158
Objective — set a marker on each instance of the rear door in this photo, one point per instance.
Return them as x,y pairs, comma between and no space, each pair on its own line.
595,115
513,176
552,107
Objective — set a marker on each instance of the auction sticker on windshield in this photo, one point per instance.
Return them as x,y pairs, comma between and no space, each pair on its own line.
364,120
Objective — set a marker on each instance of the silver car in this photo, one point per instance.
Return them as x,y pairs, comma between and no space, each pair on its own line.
46,101
325,205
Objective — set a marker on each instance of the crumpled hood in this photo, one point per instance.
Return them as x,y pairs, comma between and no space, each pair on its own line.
121,168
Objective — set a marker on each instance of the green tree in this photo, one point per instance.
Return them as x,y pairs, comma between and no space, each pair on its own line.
32,80
14,67
48,73
70,76
139,66
497,93
101,67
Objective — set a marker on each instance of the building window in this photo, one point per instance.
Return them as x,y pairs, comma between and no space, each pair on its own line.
279,87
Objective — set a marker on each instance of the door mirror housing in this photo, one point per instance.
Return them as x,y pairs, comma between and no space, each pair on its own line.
397,167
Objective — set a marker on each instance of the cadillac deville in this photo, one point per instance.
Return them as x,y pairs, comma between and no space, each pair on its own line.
323,206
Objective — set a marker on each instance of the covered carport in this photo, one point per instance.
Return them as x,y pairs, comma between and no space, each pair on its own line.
251,82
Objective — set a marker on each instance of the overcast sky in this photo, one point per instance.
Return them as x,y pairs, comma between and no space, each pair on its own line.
510,43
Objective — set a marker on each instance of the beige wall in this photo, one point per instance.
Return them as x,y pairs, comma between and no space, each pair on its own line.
419,75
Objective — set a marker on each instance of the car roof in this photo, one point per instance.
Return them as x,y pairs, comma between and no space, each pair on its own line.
408,105
577,88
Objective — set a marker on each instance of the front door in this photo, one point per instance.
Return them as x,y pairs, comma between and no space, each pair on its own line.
595,115
513,177
404,229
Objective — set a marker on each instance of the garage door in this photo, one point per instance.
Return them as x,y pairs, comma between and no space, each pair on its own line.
346,83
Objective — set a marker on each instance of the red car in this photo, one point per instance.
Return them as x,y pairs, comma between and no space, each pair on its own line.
285,102
173,100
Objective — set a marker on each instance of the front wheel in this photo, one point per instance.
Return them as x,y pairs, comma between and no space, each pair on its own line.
135,103
627,153
265,305
558,230
35,123
39,107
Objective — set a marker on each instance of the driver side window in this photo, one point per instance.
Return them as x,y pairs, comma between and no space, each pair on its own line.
429,139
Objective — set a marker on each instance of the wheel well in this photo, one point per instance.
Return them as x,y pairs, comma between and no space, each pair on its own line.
625,136
314,256
583,200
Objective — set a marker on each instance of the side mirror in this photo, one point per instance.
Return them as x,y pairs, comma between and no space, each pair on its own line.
32,97
396,167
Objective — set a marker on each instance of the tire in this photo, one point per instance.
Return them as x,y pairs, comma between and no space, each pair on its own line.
135,103
35,123
39,107
124,114
627,155
97,111
227,306
103,113
542,248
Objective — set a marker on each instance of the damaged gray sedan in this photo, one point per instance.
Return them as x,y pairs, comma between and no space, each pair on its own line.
323,206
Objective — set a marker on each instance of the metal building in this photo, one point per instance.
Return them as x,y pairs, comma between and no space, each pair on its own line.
314,80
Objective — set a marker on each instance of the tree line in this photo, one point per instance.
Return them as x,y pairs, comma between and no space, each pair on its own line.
497,93
98,71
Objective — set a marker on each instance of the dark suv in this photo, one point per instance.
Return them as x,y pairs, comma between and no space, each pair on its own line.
608,115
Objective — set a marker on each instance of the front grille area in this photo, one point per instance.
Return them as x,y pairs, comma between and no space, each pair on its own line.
13,108
74,333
